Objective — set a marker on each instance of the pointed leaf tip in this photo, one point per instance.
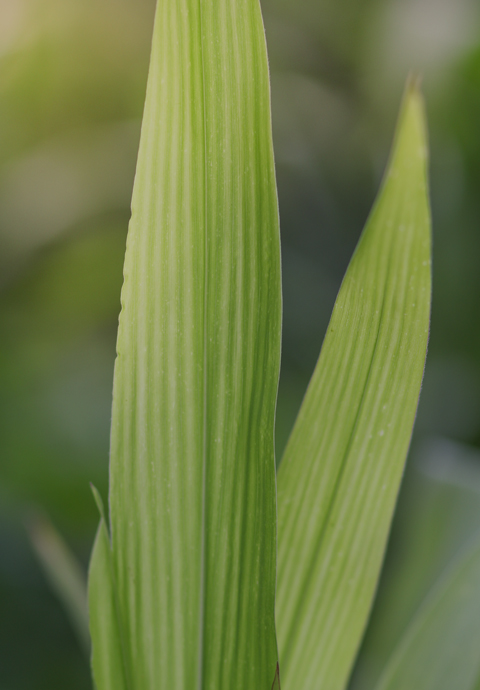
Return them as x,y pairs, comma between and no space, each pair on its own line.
99,501
339,478
410,146
276,680
192,468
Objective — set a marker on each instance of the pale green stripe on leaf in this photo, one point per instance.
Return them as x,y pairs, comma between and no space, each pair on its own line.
339,477
192,479
440,648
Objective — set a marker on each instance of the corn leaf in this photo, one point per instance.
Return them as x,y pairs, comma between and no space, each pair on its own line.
192,473
439,650
339,478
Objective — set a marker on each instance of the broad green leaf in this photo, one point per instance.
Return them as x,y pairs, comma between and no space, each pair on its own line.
439,650
64,573
340,474
438,514
192,478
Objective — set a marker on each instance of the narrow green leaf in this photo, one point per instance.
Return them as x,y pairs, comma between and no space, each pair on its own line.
339,478
440,649
108,659
192,492
64,573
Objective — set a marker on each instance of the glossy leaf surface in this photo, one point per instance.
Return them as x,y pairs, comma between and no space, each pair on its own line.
192,478
339,478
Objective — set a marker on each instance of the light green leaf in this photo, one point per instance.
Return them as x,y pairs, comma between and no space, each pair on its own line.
64,573
192,478
439,650
339,478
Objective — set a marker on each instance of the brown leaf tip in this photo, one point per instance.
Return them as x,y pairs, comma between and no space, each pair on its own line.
276,680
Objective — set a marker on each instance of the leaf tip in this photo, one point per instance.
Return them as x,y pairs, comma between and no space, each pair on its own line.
276,680
98,501
410,148
414,83
413,101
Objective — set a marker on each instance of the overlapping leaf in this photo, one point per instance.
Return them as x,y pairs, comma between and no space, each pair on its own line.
109,660
192,480
338,480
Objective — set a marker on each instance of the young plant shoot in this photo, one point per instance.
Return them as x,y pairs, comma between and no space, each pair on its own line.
184,573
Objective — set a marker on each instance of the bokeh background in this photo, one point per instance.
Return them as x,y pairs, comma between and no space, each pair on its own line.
72,83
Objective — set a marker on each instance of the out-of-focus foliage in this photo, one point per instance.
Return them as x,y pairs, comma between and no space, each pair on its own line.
65,575
72,82
436,526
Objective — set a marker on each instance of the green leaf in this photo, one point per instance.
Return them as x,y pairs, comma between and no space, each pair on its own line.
439,650
64,574
108,658
192,473
339,478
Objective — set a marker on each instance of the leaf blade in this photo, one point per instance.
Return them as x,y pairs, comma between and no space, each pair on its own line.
108,660
192,493
339,477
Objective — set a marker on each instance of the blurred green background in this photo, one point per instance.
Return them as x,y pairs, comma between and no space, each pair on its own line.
72,83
